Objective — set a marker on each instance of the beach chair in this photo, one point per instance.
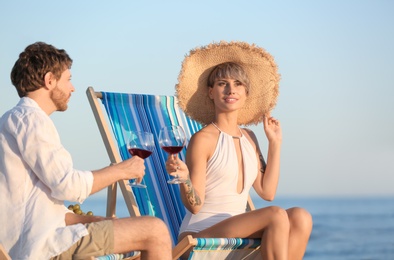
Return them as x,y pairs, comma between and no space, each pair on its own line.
126,112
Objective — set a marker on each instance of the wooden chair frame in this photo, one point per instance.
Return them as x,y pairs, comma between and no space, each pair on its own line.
3,254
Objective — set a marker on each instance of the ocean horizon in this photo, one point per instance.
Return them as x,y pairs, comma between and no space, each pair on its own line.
344,228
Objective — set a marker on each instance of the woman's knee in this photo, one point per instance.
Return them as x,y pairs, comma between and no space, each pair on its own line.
279,216
300,218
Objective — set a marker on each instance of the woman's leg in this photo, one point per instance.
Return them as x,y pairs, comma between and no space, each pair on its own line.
300,230
271,224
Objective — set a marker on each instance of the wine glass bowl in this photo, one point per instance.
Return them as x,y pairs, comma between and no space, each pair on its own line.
140,152
172,139
172,149
140,144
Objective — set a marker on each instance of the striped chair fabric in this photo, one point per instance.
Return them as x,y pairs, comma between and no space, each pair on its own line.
130,255
127,112
226,248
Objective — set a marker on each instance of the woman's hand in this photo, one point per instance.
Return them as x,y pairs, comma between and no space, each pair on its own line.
272,129
177,168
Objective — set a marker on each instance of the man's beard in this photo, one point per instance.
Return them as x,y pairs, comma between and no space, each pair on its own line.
59,98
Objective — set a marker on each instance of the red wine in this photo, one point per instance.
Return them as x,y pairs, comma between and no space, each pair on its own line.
172,149
140,152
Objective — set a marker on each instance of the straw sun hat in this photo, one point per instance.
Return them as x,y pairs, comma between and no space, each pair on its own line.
192,87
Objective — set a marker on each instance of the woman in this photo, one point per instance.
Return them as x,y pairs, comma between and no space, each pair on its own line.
223,86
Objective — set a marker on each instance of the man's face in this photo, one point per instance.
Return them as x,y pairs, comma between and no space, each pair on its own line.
60,95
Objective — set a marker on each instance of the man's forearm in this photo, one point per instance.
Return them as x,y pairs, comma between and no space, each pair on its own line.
72,219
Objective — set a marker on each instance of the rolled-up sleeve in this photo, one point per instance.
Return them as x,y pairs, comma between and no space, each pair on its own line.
80,182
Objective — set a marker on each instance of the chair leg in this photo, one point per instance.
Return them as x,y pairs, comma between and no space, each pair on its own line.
3,254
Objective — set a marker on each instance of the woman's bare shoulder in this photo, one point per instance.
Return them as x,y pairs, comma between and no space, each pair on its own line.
206,134
205,139
203,142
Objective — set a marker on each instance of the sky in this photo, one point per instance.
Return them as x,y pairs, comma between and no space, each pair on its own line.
336,60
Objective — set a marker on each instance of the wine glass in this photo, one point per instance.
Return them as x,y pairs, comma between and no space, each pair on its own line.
140,144
172,139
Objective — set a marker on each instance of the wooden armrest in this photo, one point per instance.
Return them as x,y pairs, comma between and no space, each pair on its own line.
185,244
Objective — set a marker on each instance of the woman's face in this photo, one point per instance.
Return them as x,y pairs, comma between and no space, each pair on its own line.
228,94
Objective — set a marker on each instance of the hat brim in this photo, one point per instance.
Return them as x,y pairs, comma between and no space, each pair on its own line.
192,87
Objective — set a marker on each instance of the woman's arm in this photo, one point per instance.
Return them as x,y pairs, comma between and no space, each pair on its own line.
267,179
194,172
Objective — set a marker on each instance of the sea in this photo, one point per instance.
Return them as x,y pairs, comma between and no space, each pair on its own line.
344,228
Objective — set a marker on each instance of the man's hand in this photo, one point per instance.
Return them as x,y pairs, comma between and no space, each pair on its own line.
132,168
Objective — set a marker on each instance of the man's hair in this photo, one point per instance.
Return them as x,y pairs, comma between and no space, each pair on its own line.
34,63
229,70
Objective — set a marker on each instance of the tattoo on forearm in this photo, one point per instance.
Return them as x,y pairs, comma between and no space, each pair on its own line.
191,194
263,164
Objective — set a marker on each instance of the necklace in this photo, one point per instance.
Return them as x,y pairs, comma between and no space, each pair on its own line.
235,137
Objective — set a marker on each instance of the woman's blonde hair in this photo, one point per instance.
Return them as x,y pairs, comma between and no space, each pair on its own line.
229,70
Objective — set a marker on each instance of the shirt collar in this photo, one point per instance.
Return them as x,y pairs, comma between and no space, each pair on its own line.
28,102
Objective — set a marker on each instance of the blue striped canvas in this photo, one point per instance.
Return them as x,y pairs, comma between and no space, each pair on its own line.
226,243
226,248
129,112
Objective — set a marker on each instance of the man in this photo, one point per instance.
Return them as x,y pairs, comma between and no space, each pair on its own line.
37,176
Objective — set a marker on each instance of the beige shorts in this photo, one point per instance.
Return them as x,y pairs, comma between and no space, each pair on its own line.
99,242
